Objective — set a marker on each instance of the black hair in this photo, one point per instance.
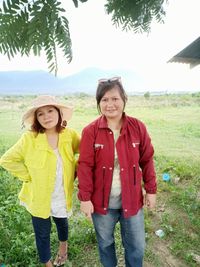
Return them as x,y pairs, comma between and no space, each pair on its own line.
104,87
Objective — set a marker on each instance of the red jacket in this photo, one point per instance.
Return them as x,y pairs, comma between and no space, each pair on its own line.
96,163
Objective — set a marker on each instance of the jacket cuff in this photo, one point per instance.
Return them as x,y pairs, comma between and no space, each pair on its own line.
151,191
84,196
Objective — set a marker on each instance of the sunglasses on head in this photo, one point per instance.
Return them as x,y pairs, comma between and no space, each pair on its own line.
113,79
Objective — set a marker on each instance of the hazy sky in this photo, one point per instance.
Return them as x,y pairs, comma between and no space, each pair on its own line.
97,43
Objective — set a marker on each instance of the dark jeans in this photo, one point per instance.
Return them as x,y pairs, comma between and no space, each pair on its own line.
42,229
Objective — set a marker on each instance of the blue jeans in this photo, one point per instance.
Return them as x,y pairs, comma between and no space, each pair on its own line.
132,234
42,229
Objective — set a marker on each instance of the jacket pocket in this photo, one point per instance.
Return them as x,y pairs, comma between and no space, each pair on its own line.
136,143
137,175
98,146
103,189
134,175
98,196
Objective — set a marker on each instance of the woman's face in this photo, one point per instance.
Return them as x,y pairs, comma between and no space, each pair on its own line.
48,117
111,104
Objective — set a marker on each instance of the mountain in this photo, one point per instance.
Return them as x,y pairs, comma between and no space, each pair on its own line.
26,82
86,80
41,82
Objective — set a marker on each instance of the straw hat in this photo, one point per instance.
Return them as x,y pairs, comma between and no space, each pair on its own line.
46,100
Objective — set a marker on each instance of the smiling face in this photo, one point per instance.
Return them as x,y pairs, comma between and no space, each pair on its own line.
48,117
111,104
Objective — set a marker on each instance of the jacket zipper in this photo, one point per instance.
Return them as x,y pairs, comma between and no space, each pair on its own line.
134,174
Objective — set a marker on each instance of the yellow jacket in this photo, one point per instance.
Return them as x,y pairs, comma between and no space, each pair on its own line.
33,161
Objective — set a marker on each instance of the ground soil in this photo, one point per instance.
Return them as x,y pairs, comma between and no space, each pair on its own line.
160,249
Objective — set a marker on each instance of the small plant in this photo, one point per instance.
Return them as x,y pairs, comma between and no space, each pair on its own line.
147,95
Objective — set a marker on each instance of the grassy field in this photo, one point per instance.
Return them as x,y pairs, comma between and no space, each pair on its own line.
173,122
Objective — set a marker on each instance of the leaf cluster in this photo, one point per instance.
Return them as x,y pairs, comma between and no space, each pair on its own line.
136,15
27,27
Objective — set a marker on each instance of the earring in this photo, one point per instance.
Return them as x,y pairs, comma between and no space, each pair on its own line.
64,123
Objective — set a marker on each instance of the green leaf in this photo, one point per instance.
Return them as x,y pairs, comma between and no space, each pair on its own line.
75,3
5,9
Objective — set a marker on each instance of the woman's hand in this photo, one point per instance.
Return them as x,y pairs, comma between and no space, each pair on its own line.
87,208
149,200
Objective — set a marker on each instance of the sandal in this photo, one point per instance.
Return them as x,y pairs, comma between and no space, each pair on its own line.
60,259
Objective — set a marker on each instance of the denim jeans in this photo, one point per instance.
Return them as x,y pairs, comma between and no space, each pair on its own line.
132,234
42,229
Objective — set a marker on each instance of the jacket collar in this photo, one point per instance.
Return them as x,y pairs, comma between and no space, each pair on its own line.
103,122
42,143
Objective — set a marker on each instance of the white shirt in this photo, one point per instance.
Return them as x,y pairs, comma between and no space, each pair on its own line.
58,198
115,194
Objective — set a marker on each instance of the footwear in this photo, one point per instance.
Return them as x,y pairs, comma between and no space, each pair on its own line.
60,259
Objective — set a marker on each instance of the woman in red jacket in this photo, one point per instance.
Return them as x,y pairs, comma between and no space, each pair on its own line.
116,161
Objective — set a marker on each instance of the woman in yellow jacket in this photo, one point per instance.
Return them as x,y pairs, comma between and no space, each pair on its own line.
44,160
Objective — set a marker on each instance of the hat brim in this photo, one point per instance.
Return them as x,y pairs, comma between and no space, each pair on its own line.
65,112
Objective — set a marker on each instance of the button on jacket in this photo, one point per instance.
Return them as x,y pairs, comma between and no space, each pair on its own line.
33,161
96,163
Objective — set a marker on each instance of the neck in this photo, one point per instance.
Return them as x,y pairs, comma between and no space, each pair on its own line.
52,138
115,124
51,131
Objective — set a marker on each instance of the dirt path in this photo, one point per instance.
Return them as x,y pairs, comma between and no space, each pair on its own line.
163,254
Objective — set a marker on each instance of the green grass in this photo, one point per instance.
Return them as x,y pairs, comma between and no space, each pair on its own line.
173,123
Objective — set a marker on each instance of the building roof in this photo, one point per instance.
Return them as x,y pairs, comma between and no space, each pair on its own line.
189,55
